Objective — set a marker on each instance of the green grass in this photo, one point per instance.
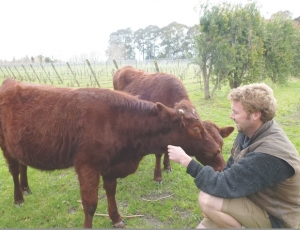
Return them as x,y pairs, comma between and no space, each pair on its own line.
54,202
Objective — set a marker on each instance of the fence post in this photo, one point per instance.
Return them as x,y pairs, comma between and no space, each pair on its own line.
73,73
26,72
3,72
46,74
10,71
35,73
57,73
156,66
115,63
93,72
21,78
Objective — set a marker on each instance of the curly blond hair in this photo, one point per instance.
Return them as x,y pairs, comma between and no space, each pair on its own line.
254,98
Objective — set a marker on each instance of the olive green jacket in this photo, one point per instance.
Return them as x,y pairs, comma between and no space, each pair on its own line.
282,200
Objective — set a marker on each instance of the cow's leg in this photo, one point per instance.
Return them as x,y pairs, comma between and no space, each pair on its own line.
157,169
23,179
13,166
110,185
89,184
167,165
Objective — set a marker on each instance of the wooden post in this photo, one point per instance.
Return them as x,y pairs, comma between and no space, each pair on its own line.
11,72
26,73
156,66
46,74
74,75
35,73
3,72
21,78
93,72
115,63
57,73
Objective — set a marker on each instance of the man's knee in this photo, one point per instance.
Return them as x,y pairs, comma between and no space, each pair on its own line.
203,201
208,203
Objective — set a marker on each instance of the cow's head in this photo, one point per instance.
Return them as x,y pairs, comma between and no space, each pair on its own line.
192,135
217,133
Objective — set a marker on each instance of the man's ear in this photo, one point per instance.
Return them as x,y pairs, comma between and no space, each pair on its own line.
257,115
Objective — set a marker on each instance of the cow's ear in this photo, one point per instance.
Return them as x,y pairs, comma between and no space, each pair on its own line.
164,112
226,131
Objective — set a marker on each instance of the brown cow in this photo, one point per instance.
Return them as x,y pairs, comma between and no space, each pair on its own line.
100,132
167,89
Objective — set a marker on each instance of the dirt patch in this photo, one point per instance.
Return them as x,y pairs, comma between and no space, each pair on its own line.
73,210
152,222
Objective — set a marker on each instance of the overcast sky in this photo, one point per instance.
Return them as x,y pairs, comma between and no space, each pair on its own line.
65,28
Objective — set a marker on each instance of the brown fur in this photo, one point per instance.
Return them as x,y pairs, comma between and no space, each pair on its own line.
167,89
100,132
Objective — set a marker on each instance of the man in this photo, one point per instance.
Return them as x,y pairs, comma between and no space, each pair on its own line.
260,185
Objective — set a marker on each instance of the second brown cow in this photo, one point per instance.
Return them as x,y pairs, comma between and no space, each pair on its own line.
169,90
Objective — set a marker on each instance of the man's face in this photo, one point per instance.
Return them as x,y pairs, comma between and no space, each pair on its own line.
243,121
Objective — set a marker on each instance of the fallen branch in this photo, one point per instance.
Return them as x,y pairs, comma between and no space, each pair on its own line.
132,216
106,215
159,198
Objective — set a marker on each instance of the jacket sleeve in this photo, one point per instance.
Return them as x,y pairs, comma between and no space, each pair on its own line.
229,163
252,173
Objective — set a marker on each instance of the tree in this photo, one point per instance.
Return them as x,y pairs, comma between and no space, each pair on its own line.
172,40
189,44
140,41
121,42
48,60
247,41
151,38
207,42
229,44
146,41
281,46
25,59
296,62
115,51
40,57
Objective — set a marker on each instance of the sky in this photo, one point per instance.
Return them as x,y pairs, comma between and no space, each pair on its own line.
64,29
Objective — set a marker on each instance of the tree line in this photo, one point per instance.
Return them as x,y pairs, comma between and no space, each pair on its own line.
173,41
232,44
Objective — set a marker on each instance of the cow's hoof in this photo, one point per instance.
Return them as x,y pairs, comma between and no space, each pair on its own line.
157,179
120,224
168,170
27,191
19,203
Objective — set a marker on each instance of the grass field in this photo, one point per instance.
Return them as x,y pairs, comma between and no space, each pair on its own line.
172,204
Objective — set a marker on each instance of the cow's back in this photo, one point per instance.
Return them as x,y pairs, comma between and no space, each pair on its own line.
45,127
40,124
156,87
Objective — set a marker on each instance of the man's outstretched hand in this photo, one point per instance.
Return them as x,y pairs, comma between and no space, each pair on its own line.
177,155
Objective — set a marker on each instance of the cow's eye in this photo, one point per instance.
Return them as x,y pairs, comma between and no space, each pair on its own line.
196,130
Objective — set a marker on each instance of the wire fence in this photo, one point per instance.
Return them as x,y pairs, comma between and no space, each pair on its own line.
94,74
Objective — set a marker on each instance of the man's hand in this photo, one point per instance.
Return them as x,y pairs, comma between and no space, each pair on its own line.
177,155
